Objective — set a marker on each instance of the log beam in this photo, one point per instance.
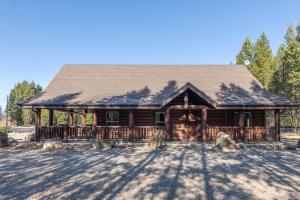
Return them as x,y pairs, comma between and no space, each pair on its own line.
204,124
277,124
50,117
71,118
38,117
131,119
84,117
168,124
95,123
186,100
242,124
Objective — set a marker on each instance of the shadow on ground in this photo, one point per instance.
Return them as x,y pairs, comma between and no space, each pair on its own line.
179,171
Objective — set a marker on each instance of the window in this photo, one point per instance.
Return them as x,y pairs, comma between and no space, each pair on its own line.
159,119
112,118
248,119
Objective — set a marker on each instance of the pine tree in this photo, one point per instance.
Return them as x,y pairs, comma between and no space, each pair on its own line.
20,92
246,53
262,66
1,113
291,64
278,78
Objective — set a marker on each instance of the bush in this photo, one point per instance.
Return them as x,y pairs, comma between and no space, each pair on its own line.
4,129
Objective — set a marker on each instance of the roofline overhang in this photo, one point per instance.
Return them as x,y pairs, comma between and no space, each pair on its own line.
156,107
121,107
258,107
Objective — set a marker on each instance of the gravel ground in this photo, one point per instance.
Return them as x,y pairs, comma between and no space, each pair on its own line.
179,171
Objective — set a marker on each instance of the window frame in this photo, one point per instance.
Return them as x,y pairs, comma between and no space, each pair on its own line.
158,122
236,119
112,122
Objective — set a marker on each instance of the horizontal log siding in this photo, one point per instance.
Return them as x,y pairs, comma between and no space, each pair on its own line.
144,118
101,119
175,115
258,118
216,118
123,117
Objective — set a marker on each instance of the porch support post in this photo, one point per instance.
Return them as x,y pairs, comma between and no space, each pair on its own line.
94,126
242,124
203,125
131,124
37,123
71,117
50,117
95,118
84,118
277,124
38,117
167,124
130,118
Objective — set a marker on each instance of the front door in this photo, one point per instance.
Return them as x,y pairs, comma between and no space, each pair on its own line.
185,126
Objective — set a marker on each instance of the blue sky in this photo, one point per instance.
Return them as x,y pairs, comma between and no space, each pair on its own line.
38,37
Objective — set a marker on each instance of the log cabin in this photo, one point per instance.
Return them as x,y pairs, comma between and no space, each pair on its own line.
186,102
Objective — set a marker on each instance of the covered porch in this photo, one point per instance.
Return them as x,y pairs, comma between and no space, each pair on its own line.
178,123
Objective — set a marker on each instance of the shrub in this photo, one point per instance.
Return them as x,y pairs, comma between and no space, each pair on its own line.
4,129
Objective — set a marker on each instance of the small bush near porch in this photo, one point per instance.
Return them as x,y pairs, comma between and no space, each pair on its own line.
180,170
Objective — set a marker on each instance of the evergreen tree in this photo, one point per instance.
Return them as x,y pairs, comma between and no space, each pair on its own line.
20,92
1,113
61,118
278,76
291,64
262,66
246,53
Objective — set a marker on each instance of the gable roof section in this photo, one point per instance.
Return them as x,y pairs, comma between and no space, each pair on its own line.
192,88
153,85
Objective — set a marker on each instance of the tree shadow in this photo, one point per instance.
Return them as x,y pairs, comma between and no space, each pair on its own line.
193,172
60,100
140,97
256,95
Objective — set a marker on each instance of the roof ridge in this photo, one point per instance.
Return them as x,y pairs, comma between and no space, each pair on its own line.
154,65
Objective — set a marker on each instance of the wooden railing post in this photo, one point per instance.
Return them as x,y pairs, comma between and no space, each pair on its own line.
65,139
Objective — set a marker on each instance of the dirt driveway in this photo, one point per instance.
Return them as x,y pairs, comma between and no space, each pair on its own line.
178,171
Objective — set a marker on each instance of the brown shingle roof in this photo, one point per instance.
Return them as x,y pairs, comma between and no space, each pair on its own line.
131,85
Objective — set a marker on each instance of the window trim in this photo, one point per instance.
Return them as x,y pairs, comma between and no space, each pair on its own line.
236,119
158,123
107,121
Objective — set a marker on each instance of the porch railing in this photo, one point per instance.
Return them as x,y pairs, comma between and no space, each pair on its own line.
249,133
145,132
98,132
